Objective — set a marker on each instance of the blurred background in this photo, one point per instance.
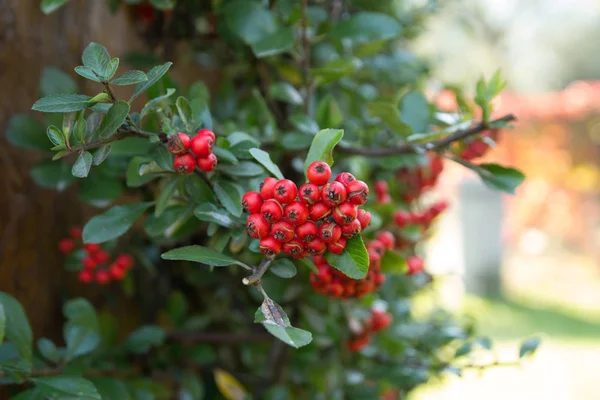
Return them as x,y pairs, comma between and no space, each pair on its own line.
525,264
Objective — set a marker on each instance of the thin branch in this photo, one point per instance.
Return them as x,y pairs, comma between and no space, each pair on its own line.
409,148
306,58
258,273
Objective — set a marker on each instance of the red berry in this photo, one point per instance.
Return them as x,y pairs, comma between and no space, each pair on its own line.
92,248
319,211
101,257
320,260
85,276
89,263
335,290
374,256
66,246
415,264
267,188
202,145
184,164
330,232
364,217
352,229
296,212
358,192
388,239
318,173
309,194
359,342
316,246
125,261
379,279
307,231
381,188
403,218
257,226
345,213
208,164
283,231
206,132
75,233
272,211
385,199
333,194
285,191
294,247
345,178
377,247
337,247
380,320
102,277
179,144
269,246
116,272
251,202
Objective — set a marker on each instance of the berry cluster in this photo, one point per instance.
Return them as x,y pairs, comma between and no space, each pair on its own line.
192,152
331,282
414,181
318,217
97,265
423,217
478,147
378,321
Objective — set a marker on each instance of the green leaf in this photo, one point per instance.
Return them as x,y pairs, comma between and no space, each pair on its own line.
25,132
202,255
277,323
364,27
463,350
283,268
153,76
529,346
225,155
17,329
296,141
113,120
2,322
52,175
199,190
113,223
271,313
307,263
336,69
133,176
265,159
322,146
415,111
210,213
55,136
500,178
229,195
48,350
354,260
249,20
111,389
130,78
159,103
244,168
329,113
48,6
62,103
304,124
81,331
393,263
66,388
284,91
67,125
388,114
101,154
96,57
82,166
184,109
113,65
191,387
277,42
144,338
29,394
166,192
87,73
55,81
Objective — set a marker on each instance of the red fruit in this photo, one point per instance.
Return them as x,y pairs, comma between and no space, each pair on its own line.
358,192
374,256
116,272
380,320
316,246
320,260
337,247
309,193
66,246
75,233
345,178
385,199
345,213
294,247
285,191
318,173
202,145
296,212
359,342
387,238
125,261
335,290
206,132
89,263
208,164
364,217
377,247
415,264
381,188
179,144
324,274
333,194
269,246
403,218
101,257
251,202
330,232
352,229
283,231
257,226
319,211
184,164
85,276
92,248
267,188
379,279
102,277
307,231
272,211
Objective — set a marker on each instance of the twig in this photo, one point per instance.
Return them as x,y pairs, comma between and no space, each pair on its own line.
306,58
409,148
258,273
